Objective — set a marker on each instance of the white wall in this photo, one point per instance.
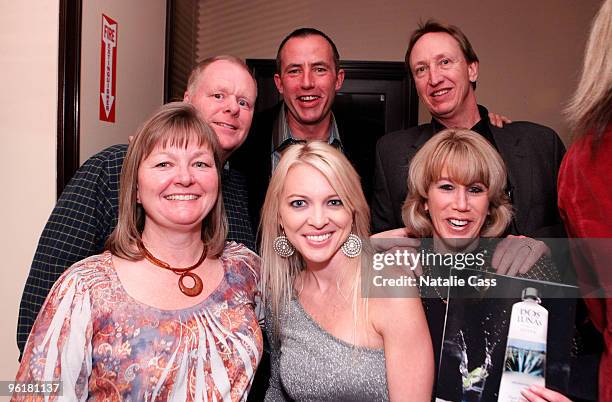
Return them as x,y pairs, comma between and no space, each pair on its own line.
28,118
140,69
530,51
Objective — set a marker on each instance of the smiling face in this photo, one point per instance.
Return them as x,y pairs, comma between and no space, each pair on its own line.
312,215
308,80
225,96
177,186
456,211
443,78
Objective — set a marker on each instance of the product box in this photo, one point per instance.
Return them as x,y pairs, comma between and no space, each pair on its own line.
504,331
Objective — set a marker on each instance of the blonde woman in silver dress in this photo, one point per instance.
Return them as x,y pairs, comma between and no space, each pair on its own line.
327,341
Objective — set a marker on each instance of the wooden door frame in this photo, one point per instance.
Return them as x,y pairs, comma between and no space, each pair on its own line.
68,90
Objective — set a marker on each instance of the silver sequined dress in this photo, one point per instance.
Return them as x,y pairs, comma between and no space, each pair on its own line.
312,365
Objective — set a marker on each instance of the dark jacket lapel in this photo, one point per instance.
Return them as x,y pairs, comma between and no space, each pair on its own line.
520,174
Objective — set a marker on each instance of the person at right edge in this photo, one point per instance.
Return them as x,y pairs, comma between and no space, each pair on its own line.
444,67
585,194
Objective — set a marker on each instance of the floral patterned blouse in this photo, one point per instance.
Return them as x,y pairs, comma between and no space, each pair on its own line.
104,345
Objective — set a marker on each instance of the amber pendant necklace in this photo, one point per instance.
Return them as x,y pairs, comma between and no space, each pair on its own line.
183,273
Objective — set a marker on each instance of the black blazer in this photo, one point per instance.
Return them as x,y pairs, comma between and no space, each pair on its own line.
532,154
254,157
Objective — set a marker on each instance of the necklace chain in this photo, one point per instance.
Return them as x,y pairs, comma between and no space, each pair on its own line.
435,287
198,285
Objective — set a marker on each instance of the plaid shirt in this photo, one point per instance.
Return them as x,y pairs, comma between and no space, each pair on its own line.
86,214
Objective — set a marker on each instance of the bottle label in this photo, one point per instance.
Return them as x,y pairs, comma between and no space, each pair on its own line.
525,361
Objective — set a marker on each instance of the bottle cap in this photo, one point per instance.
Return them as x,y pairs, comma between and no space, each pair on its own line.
530,292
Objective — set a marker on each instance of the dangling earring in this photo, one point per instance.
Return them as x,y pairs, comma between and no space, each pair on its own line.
282,246
352,246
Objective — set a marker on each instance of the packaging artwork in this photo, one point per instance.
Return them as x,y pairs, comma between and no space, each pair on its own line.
525,362
499,340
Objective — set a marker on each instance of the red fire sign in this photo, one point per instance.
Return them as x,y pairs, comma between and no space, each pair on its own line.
108,69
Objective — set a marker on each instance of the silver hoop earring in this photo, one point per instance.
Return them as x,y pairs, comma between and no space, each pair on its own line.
282,247
352,246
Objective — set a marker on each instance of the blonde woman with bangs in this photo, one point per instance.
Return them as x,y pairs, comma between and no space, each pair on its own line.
456,195
454,157
167,312
328,342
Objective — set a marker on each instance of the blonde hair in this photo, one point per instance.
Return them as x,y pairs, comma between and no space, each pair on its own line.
174,124
591,105
468,158
278,273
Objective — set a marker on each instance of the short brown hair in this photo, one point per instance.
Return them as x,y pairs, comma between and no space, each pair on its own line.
304,33
431,26
468,158
174,124
196,73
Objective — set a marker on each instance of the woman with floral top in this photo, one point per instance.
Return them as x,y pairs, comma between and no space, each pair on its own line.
167,312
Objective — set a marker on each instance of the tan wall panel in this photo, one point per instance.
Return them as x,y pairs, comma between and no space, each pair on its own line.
28,117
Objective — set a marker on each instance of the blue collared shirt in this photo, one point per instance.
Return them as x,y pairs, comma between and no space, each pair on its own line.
282,137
